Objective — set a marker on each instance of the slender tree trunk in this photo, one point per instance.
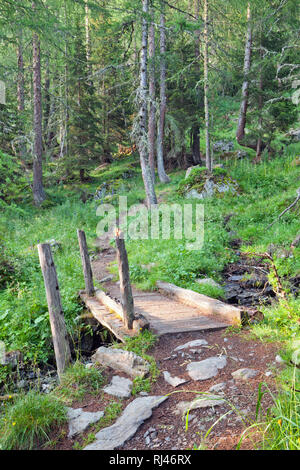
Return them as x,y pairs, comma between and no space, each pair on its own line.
196,127
88,42
206,89
260,106
21,92
38,190
196,144
47,102
20,85
152,107
142,138
163,177
240,134
66,88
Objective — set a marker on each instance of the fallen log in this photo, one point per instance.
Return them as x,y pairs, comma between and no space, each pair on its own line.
207,305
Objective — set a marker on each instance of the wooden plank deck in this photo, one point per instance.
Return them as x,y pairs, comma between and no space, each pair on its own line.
165,315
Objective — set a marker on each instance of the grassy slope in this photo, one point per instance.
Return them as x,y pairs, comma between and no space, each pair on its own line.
266,190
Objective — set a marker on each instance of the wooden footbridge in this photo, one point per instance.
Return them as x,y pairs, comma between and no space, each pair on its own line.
126,311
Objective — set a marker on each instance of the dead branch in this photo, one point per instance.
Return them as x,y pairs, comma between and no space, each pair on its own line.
287,209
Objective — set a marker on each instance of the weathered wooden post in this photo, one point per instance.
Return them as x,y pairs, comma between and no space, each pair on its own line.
86,264
125,286
57,320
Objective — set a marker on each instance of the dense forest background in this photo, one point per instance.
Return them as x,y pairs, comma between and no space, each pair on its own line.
105,98
74,86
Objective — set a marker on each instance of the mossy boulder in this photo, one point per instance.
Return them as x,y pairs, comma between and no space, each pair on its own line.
201,183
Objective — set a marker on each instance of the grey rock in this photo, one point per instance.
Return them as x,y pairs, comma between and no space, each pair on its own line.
21,384
193,194
218,387
174,381
207,281
119,387
192,344
107,278
121,360
279,359
205,401
207,368
244,374
223,146
210,189
79,420
127,425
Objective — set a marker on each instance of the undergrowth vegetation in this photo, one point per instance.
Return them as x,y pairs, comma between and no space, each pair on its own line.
266,190
27,422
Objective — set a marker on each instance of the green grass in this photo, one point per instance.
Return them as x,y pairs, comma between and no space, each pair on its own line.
77,381
140,345
27,422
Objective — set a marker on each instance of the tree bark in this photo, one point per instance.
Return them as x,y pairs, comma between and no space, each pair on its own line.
86,264
240,134
142,137
206,89
260,107
20,84
47,102
195,132
57,321
152,107
163,177
38,190
125,286
88,41
21,93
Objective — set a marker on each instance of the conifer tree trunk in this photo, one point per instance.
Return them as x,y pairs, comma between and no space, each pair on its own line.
152,107
142,137
20,83
259,144
196,129
206,89
47,102
240,134
21,91
38,190
88,41
163,177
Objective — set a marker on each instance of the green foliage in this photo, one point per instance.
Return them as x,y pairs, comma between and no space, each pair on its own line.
111,412
77,381
27,422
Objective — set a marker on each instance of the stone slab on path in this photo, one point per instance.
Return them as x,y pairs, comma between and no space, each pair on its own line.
119,387
127,425
205,401
207,368
121,361
174,381
244,374
192,344
79,420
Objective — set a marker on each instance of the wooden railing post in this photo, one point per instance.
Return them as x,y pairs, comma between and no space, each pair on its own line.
86,264
125,286
57,320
